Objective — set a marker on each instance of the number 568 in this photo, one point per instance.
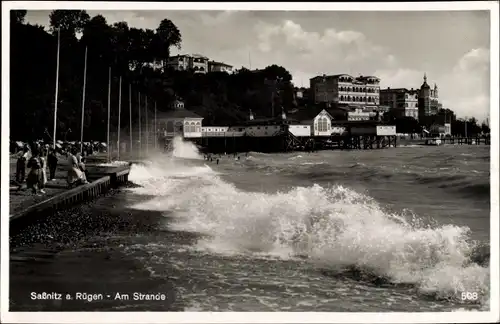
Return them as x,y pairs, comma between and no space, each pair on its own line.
469,295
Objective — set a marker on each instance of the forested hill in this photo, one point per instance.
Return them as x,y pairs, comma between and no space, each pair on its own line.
130,52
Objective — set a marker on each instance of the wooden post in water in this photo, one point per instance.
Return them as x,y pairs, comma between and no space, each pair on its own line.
119,116
140,130
130,115
83,100
147,128
57,86
108,149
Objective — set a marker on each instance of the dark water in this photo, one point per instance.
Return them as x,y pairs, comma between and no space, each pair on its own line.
403,229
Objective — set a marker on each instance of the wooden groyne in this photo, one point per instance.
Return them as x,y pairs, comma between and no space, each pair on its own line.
106,178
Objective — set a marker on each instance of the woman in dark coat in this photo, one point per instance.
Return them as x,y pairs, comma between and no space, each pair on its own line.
52,164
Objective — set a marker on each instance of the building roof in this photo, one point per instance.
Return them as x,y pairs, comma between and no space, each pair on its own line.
399,90
330,76
219,63
199,56
394,90
361,78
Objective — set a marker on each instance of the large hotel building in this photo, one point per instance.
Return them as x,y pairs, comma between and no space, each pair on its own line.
345,89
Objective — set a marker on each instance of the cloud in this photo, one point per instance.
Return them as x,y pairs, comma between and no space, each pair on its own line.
309,44
328,51
465,89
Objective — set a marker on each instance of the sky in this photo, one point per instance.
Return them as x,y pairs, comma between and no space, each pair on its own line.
451,47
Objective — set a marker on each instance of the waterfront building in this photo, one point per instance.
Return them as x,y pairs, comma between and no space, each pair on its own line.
180,122
320,119
403,102
345,89
222,131
358,114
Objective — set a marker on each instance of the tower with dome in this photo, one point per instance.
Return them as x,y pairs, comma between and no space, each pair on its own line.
428,100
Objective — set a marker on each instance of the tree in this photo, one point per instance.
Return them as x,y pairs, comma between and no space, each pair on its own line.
97,35
485,128
120,44
168,36
17,16
69,22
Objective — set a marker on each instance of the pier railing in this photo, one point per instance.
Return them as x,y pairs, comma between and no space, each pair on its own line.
475,140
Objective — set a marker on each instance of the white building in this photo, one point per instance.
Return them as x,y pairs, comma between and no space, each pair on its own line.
300,130
358,114
179,62
222,131
199,63
402,101
194,62
179,122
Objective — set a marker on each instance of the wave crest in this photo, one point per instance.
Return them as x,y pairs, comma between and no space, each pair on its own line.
335,228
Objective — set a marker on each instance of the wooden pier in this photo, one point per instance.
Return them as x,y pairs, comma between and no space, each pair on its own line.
476,140
104,179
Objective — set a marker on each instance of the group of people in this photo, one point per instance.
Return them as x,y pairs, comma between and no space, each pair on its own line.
38,158
211,157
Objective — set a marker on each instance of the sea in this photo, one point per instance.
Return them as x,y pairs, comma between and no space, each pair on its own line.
404,229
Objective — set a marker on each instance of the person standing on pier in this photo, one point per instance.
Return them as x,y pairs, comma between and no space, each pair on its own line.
35,176
52,164
21,165
81,163
43,168
74,174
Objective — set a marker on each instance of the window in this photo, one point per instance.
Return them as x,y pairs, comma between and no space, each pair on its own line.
406,104
192,129
322,125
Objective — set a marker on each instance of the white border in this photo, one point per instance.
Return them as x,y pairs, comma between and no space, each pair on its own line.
191,317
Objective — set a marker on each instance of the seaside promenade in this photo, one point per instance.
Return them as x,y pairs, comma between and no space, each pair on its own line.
101,176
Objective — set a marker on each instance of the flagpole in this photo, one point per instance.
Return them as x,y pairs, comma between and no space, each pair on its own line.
57,86
156,130
140,130
130,114
109,114
147,129
119,115
83,100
